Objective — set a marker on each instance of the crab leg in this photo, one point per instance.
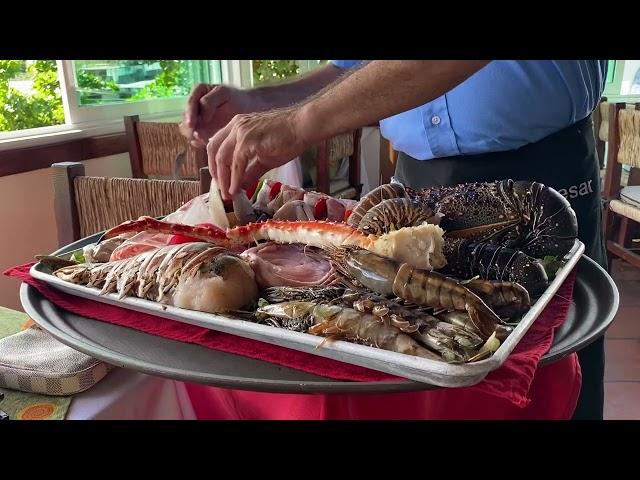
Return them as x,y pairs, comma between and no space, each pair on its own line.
421,246
207,233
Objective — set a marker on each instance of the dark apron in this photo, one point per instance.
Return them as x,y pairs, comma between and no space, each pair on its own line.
566,161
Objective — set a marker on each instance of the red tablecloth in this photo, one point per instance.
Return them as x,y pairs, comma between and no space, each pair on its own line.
516,390
554,395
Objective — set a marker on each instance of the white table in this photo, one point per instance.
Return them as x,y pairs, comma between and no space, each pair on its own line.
128,395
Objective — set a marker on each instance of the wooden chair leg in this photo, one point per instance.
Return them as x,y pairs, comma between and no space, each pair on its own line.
623,232
609,221
610,258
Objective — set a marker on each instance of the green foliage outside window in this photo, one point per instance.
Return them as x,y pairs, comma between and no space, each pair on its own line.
42,107
265,71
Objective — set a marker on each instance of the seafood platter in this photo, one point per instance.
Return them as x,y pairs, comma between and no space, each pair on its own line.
435,285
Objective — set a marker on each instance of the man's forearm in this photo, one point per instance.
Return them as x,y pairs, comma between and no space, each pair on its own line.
294,91
379,90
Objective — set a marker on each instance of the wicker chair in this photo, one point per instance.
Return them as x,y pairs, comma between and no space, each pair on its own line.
622,205
87,205
158,149
331,151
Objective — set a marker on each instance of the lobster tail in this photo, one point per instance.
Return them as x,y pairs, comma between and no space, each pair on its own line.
468,258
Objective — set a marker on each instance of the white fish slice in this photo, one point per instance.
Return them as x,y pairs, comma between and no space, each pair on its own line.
216,206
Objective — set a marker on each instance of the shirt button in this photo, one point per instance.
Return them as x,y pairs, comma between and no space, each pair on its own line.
435,120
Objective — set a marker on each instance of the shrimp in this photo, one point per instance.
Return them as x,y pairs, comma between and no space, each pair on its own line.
421,287
337,321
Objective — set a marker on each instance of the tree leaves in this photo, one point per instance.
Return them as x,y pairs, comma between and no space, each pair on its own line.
41,108
269,70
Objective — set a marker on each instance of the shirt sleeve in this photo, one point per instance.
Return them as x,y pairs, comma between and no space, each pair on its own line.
345,64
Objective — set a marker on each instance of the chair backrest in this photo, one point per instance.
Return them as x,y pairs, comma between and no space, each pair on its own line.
87,205
332,151
159,149
624,147
629,137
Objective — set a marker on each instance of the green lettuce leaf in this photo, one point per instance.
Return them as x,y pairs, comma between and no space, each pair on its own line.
78,256
552,265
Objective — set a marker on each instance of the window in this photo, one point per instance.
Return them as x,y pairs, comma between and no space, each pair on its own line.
55,96
105,82
107,90
623,81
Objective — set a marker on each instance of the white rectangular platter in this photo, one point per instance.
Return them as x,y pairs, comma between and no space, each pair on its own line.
414,368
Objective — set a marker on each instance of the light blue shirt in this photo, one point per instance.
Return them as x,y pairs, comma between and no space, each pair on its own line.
503,106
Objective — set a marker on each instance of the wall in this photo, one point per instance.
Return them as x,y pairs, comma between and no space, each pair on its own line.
27,219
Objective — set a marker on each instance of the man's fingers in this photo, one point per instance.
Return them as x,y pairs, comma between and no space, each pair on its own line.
193,105
185,130
211,160
215,98
214,142
224,160
197,143
241,156
212,150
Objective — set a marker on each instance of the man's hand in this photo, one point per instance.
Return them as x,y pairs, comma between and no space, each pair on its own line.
209,108
251,145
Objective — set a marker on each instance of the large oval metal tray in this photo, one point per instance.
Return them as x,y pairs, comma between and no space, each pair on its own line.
129,348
